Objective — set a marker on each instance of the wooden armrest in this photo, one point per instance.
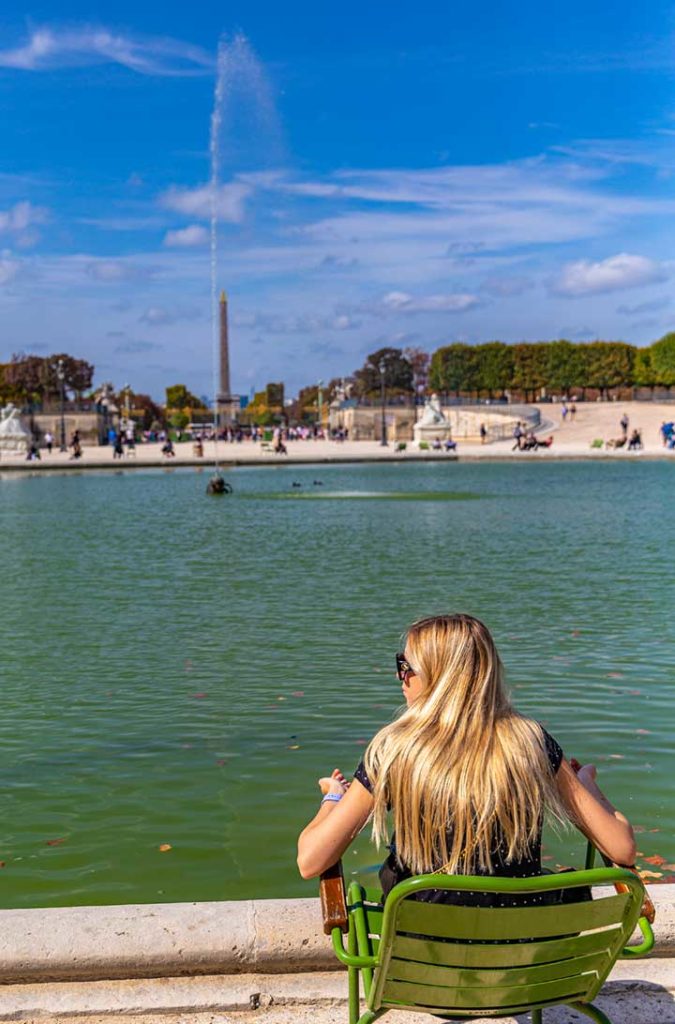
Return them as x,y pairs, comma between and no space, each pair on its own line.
333,900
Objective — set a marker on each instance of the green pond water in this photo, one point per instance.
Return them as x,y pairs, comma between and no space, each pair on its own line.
179,670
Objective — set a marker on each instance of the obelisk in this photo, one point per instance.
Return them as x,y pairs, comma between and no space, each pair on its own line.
227,403
224,392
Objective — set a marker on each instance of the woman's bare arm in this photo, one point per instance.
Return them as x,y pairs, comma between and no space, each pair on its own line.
592,813
325,839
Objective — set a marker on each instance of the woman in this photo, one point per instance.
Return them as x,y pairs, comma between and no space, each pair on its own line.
466,777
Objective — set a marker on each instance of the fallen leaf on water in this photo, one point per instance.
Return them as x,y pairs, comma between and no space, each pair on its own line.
298,693
657,860
199,696
55,842
3,864
281,698
617,757
164,847
296,746
615,675
650,874
654,829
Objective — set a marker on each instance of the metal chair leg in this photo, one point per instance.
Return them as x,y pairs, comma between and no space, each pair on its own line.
537,1016
591,1011
371,1015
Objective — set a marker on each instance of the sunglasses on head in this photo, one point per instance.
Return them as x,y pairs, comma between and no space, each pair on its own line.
403,668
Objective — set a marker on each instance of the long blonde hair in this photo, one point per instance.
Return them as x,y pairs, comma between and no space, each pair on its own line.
460,762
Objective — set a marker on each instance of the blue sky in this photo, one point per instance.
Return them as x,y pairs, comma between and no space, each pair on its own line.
391,174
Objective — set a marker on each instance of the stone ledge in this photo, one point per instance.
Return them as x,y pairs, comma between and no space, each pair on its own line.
635,989
176,939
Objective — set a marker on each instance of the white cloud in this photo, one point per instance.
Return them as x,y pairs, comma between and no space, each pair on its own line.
230,201
193,236
158,316
20,221
612,274
48,48
117,270
9,267
401,302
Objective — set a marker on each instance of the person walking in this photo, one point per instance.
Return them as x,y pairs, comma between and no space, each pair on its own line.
466,778
518,437
563,411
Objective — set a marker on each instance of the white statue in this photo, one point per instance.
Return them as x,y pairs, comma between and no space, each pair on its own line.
433,414
14,438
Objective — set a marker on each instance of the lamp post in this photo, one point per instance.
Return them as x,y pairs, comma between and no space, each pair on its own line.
319,402
383,369
61,374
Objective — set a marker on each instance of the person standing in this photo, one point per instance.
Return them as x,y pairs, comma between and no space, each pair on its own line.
49,442
563,412
624,421
573,411
483,433
517,437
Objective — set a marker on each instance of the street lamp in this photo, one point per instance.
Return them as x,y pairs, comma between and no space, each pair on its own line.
383,369
319,402
61,374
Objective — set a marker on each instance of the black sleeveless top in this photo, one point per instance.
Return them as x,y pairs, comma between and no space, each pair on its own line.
394,871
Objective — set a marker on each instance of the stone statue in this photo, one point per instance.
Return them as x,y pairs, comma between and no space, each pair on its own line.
433,414
432,425
14,438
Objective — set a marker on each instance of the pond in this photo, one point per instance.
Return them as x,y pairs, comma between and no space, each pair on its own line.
178,670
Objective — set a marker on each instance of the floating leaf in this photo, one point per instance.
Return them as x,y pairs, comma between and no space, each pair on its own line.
614,675
650,874
654,829
3,864
657,860
164,847
295,746
281,698
617,757
643,732
199,696
55,842
298,693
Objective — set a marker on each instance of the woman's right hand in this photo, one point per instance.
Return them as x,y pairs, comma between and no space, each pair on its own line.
333,783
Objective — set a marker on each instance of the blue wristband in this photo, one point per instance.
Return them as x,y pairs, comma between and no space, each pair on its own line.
332,798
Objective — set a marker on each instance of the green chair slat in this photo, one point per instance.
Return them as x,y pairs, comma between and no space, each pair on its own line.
509,954
374,920
483,923
372,895
467,977
449,1000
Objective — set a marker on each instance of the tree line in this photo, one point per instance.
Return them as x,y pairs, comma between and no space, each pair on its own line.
528,368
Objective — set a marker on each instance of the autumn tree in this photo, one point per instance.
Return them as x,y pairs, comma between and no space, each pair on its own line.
529,368
398,372
494,367
564,366
178,397
609,364
454,369
662,355
419,360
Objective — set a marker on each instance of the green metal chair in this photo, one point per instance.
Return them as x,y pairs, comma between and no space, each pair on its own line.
462,962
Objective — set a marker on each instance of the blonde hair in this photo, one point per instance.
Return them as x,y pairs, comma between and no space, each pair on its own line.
460,763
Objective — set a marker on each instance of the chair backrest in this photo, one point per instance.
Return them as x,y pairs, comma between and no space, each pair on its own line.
444,958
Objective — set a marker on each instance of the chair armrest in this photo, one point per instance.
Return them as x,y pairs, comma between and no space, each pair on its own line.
333,899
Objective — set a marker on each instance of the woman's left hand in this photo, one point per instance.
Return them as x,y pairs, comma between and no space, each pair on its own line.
334,783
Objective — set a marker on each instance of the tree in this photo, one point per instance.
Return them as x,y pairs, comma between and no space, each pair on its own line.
179,419
419,360
151,414
529,368
494,367
662,355
25,376
564,366
454,368
178,397
644,371
609,365
398,373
